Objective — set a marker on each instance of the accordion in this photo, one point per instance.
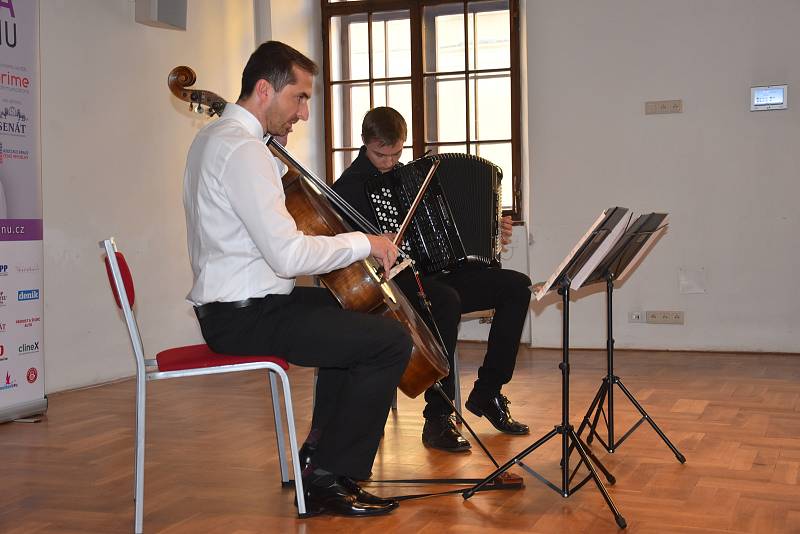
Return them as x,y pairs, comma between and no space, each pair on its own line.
458,220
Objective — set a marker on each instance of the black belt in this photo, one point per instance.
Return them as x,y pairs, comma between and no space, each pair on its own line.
213,307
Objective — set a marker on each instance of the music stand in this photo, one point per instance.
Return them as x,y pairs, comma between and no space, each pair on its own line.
618,263
588,250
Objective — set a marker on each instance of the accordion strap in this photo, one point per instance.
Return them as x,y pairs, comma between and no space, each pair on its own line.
415,204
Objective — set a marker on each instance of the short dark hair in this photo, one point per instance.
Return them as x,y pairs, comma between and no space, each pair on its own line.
384,124
273,61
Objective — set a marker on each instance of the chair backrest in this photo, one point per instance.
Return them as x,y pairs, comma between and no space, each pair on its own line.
127,279
119,276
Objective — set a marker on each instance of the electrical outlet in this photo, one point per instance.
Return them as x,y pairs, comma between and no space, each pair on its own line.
662,107
636,317
663,317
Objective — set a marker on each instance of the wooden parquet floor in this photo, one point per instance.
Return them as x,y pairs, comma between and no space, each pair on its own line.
212,468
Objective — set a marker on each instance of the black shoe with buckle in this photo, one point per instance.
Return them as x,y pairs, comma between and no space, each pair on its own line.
495,409
440,433
336,495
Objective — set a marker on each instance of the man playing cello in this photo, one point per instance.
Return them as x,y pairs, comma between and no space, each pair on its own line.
246,251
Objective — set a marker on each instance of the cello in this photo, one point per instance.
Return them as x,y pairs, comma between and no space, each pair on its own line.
359,287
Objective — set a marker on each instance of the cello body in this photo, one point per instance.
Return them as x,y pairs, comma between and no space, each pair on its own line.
360,287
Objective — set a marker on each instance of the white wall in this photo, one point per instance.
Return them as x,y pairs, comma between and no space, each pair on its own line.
298,24
729,178
114,144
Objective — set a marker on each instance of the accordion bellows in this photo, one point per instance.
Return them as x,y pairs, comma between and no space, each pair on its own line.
458,220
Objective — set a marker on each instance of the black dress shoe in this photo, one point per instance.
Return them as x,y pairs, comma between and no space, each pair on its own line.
440,433
333,494
363,495
495,409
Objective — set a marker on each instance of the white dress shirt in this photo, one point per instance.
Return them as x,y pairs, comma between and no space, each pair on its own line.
242,241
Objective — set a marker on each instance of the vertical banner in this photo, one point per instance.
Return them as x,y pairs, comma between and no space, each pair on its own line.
21,253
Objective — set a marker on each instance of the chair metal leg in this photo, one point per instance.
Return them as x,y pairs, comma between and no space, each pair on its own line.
138,474
298,476
457,380
276,412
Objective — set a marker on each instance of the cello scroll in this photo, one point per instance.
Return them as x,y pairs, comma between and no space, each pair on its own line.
180,80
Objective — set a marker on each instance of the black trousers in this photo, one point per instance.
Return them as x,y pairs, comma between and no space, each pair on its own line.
467,289
360,359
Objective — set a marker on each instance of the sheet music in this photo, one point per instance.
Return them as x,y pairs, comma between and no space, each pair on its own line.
645,249
601,251
552,280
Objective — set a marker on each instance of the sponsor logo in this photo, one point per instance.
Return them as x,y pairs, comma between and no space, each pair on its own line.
8,383
27,294
8,229
28,348
13,113
32,375
32,268
28,321
13,121
3,268
3,298
9,154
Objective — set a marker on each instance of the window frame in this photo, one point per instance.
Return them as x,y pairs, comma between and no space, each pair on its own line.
418,76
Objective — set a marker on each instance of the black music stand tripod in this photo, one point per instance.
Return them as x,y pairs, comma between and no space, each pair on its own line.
626,253
569,439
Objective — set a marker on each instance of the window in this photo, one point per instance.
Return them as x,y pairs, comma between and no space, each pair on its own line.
449,67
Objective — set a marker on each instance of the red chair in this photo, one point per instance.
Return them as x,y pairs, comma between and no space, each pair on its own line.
194,360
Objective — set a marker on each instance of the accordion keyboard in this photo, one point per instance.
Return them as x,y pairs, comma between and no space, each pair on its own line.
457,220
